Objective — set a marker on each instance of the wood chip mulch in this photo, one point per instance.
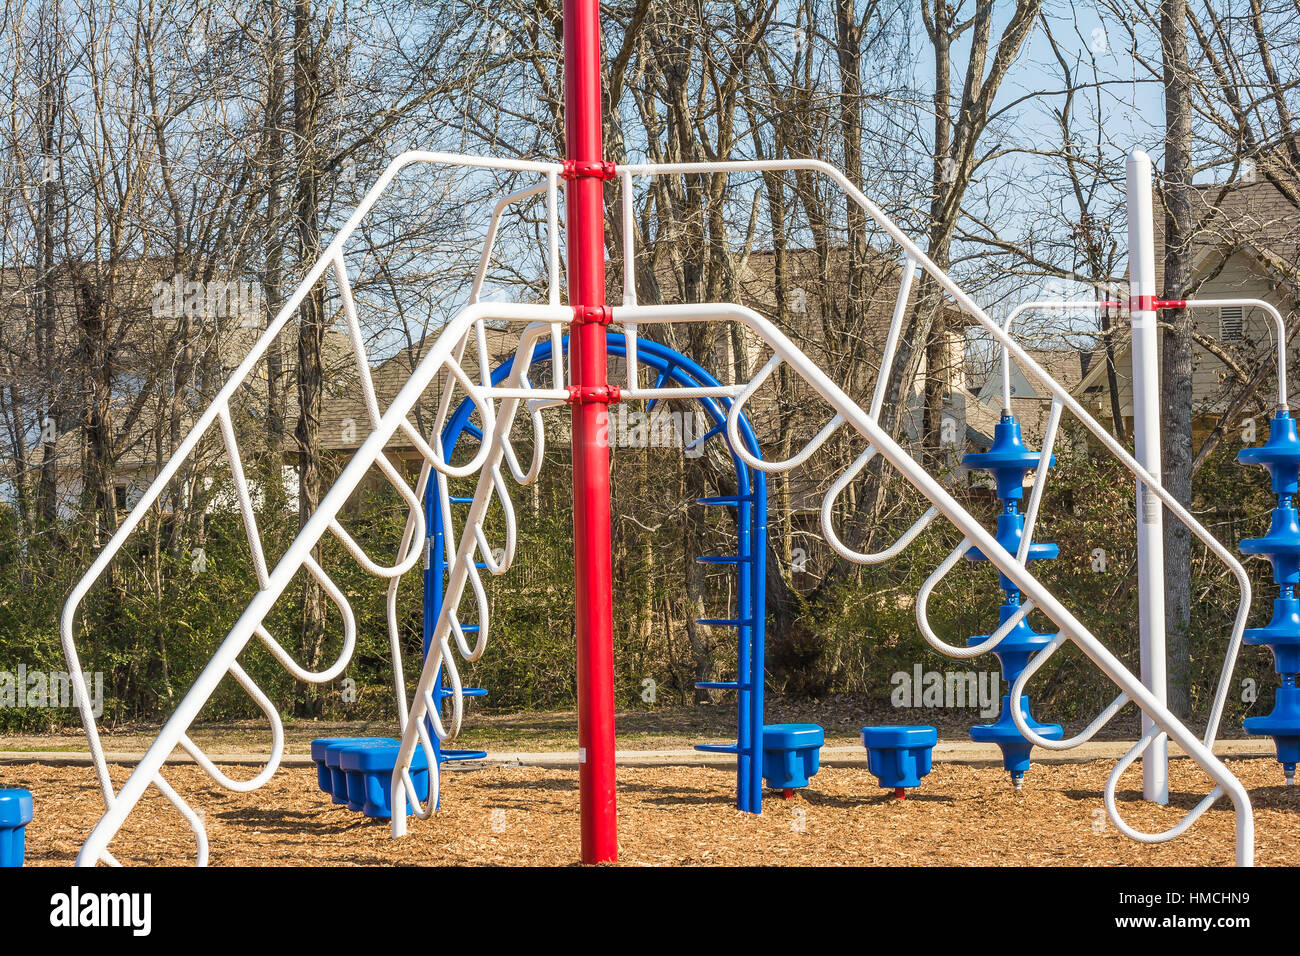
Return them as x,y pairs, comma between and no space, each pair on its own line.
678,816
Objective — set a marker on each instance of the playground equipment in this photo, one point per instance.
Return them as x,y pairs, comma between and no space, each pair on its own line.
1281,456
15,814
369,773
586,388
357,772
749,504
1009,461
899,756
791,754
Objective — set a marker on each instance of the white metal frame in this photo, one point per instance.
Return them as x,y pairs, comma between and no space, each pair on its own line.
1155,711
498,407
443,359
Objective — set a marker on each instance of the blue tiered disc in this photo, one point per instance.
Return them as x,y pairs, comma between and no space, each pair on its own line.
1280,455
1009,460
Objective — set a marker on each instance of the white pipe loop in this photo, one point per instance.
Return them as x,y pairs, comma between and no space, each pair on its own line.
185,810
471,654
733,427
828,522
277,741
402,777
923,619
390,597
482,402
1018,689
415,512
349,633
1112,809
485,550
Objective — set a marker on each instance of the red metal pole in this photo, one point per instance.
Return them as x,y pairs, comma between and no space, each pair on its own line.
590,395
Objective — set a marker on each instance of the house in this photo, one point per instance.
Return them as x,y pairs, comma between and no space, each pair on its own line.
146,324
1250,250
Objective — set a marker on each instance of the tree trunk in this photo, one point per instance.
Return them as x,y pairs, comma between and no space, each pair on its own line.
1178,348
311,327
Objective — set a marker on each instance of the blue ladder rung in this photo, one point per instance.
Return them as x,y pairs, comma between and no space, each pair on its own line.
707,435
444,691
473,429
450,755
718,748
459,500
719,559
469,628
721,685
725,621
731,500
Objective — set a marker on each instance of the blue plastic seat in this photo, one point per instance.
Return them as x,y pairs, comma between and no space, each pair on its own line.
323,779
899,756
369,772
15,814
333,754
791,754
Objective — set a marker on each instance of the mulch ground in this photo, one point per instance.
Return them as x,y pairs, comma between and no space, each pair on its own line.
678,816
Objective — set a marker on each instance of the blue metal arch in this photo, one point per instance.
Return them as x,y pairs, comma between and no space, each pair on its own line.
750,502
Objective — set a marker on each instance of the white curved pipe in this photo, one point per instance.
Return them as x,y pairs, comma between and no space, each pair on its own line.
828,522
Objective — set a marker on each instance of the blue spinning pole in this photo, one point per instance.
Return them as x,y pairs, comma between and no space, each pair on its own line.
1009,460
1281,456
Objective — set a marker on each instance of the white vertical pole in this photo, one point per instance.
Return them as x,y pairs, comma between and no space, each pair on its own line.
1146,449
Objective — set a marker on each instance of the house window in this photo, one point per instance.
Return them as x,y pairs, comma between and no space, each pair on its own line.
1230,323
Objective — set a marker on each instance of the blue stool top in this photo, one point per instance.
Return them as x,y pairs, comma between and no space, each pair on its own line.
792,736
15,808
319,745
334,751
917,735
379,757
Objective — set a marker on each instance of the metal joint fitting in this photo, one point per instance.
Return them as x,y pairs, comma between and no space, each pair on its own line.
594,394
599,314
574,169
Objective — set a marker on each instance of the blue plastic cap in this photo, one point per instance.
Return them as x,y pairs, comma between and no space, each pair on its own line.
1281,545
1011,528
1007,459
792,736
1014,650
1284,721
917,735
1280,454
1281,635
15,808
320,744
1015,748
334,752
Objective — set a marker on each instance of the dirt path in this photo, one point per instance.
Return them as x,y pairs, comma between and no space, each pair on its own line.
678,816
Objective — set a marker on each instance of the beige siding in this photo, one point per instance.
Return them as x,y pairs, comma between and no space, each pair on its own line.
1238,279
